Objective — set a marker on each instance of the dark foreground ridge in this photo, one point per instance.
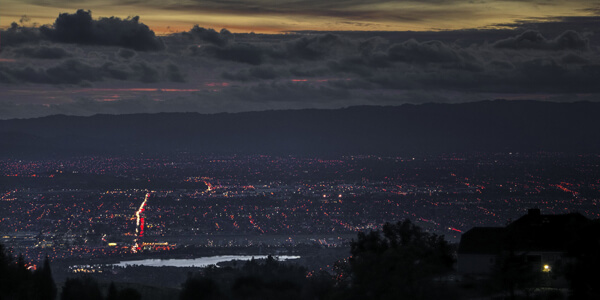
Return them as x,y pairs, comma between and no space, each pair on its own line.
488,126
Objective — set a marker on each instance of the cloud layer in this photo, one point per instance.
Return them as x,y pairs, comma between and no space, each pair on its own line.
530,39
81,28
218,71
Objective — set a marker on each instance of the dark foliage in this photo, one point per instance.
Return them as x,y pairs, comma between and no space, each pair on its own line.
43,283
81,288
125,294
268,280
129,294
400,262
112,292
17,281
200,288
512,273
583,274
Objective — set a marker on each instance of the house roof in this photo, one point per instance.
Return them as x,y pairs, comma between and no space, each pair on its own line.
482,240
545,232
532,232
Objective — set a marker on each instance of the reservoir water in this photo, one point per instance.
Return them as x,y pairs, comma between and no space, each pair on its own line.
199,262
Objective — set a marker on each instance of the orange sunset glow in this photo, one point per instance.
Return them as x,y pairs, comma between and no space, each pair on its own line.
263,16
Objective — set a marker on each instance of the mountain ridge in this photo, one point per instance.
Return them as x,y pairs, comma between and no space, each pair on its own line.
485,126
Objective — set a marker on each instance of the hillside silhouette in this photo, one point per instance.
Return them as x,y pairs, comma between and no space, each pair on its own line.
488,126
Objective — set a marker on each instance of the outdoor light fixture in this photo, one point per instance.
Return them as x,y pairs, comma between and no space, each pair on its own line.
547,268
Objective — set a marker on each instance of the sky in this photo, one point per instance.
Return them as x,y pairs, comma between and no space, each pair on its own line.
165,16
117,57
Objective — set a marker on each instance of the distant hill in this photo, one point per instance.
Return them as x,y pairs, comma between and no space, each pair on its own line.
488,126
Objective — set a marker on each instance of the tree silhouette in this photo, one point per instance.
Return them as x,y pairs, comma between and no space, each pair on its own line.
513,272
112,292
22,279
583,273
18,282
198,288
268,280
129,294
7,274
400,262
44,286
81,288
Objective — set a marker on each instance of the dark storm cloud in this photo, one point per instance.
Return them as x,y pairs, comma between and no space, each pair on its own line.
547,74
76,71
173,73
42,52
484,69
530,39
571,58
126,53
431,51
145,72
257,97
404,86
560,65
257,73
313,69
116,71
303,48
68,72
17,35
71,71
316,47
238,52
587,26
80,28
209,35
373,45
